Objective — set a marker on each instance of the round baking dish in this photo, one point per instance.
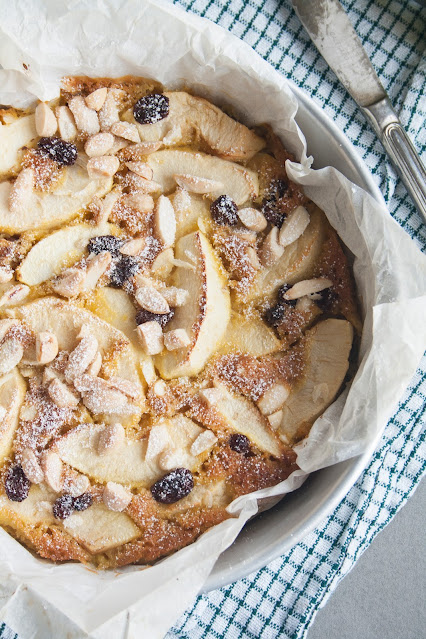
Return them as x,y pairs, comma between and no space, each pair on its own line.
277,530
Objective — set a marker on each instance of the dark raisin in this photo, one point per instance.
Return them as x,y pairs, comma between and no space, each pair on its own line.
122,270
280,296
63,507
143,316
17,486
64,153
82,502
224,211
275,315
270,206
239,443
151,108
277,189
101,243
328,299
174,486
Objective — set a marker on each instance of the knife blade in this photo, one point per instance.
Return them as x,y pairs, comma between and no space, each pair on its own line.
332,33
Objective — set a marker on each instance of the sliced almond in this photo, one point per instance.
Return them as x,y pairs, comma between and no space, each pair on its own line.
253,219
28,412
21,191
81,357
200,185
165,221
293,226
105,166
175,296
6,274
143,185
116,497
99,397
160,388
139,150
126,130
271,250
125,386
86,119
150,336
275,419
163,264
111,438
97,265
96,99
308,287
95,366
31,467
140,168
106,205
15,295
76,484
151,300
45,121
46,347
148,370
110,111
253,258
273,399
66,123
211,396
62,395
142,202
158,440
99,144
52,467
178,338
204,442
70,283
133,247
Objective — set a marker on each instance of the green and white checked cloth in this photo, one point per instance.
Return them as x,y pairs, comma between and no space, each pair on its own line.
281,600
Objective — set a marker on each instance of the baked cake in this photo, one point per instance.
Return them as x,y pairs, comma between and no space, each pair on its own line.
174,315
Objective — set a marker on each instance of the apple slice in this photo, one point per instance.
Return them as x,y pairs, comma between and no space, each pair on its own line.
12,393
35,510
99,529
326,354
297,262
250,335
13,136
50,209
189,209
191,119
57,251
240,184
126,464
206,314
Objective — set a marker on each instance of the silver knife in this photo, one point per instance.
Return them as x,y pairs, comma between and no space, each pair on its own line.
332,33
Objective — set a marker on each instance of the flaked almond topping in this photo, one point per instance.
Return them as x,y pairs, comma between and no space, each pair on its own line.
66,123
253,219
151,300
140,168
203,442
96,99
293,226
21,191
148,370
200,185
69,283
110,438
142,202
15,295
275,419
183,264
95,366
61,394
52,466
116,497
76,484
125,386
271,250
48,374
170,458
160,388
46,347
99,144
305,304
175,296
28,412
163,264
104,207
165,221
253,258
133,247
273,399
320,392
99,397
31,467
139,150
143,185
181,200
126,130
97,265
81,357
105,166
211,396
150,336
6,274
178,338
45,121
307,287
110,111
158,440
86,119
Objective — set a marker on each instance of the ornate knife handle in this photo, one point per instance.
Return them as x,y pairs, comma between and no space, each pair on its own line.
400,150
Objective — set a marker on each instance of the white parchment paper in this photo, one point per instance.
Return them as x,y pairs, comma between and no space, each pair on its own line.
43,40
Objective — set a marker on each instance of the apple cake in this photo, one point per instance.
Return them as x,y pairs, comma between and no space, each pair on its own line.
175,314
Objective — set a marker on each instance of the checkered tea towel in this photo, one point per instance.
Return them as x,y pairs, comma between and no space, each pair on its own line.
281,600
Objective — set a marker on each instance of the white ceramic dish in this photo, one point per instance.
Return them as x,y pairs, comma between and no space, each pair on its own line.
274,532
